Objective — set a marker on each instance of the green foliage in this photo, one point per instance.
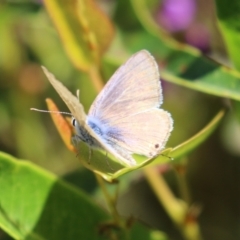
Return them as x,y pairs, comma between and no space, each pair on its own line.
35,204
83,46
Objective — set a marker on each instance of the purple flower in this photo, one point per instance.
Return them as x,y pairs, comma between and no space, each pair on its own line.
176,15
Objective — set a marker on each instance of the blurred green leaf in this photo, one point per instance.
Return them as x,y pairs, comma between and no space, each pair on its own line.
78,24
229,23
34,204
37,25
10,49
180,63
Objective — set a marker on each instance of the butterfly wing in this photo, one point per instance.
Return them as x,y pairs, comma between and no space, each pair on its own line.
145,133
128,108
77,111
134,87
71,101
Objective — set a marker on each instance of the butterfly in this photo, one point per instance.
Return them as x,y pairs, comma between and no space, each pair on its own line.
125,118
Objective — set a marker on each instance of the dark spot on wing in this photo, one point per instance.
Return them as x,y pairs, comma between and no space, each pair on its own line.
157,145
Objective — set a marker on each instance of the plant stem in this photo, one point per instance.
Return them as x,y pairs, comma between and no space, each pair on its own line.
111,202
176,208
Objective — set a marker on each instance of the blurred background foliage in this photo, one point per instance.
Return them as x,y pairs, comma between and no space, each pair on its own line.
208,177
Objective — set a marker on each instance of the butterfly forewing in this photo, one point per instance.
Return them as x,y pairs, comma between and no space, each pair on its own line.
133,88
70,100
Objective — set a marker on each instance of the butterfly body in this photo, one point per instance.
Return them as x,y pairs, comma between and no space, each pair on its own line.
83,135
125,117
105,133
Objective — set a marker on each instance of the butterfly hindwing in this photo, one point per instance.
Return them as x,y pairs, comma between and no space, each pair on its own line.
145,133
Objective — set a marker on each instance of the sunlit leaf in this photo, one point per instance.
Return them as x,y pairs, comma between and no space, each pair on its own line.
78,24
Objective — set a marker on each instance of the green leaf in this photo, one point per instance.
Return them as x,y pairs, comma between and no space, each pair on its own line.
179,63
36,205
229,23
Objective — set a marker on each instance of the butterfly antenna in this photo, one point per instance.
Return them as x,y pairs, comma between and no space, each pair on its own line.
46,111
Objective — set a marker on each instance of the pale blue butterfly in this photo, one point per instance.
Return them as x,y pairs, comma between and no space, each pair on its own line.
125,118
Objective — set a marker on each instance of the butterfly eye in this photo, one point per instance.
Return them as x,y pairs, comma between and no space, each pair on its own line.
74,122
